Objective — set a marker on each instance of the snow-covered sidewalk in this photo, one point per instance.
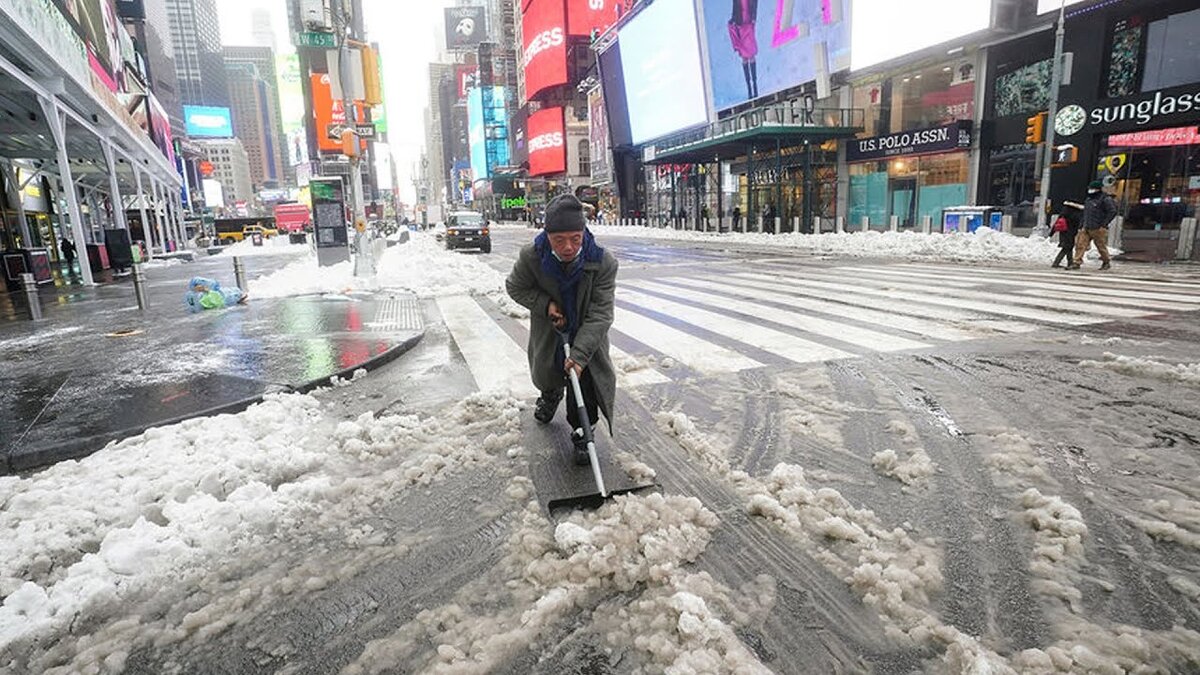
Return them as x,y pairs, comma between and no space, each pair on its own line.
984,245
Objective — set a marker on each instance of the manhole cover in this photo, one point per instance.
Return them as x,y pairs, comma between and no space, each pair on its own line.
124,332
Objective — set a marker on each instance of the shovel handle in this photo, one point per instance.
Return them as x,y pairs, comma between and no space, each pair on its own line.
587,423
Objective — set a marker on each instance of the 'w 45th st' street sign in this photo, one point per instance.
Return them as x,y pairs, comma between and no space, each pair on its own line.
323,40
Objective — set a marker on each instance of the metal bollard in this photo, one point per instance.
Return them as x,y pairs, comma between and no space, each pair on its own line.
31,296
866,224
894,224
778,224
139,286
926,224
840,225
816,225
1187,239
1006,224
1116,232
239,273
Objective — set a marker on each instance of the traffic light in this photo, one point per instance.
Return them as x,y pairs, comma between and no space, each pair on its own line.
1035,128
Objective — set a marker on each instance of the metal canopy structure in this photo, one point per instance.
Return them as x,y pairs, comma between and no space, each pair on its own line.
771,128
56,119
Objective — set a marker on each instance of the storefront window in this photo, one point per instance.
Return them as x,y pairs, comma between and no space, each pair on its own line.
1172,51
936,95
1155,176
1013,185
909,188
873,99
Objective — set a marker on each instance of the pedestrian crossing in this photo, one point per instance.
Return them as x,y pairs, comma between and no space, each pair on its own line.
678,326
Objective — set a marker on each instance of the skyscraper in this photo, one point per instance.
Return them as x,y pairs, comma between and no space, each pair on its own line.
196,39
262,29
254,92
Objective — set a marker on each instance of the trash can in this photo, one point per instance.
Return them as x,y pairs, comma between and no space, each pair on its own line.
298,238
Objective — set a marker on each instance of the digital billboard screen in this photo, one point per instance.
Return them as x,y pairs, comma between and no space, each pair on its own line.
882,30
202,121
544,36
612,79
487,131
584,16
547,142
477,137
761,48
664,79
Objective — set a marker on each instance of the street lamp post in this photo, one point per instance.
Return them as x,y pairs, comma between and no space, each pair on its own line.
363,265
1055,83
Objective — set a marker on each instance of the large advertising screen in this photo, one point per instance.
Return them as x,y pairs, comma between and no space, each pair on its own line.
885,29
584,16
466,27
598,137
759,47
544,37
487,131
477,138
203,121
612,79
547,142
664,79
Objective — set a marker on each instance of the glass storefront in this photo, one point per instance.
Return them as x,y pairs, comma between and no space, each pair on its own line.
1154,175
925,97
909,187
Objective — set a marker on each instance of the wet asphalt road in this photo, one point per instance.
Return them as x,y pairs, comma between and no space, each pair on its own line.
998,416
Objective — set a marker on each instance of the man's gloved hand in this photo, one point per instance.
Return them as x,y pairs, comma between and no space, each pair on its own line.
556,316
570,365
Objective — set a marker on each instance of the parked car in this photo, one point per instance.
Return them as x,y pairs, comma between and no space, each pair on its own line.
468,229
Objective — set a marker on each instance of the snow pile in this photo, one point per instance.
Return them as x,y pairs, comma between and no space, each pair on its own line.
88,540
421,266
279,245
1187,373
911,470
158,263
1058,542
550,574
1015,459
697,444
1107,342
809,406
1174,520
984,245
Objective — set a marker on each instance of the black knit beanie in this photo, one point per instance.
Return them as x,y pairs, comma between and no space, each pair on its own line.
565,214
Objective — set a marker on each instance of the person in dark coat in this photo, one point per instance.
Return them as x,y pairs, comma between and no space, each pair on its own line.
68,253
1067,227
1099,211
568,283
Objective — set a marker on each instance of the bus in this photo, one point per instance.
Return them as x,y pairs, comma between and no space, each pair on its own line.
292,217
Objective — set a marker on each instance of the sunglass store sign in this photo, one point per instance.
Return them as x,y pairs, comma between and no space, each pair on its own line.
1073,118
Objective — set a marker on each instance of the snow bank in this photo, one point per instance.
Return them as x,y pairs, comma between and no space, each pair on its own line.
1187,373
422,266
90,539
279,245
678,621
984,245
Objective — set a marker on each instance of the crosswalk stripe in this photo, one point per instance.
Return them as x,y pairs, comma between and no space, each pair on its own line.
636,378
746,289
495,360
767,339
693,352
989,307
1111,280
913,285
860,337
1178,302
973,321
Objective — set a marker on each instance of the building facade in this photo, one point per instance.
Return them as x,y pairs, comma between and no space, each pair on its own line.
257,120
196,43
230,167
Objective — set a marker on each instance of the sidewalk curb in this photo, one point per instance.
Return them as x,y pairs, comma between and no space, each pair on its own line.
80,448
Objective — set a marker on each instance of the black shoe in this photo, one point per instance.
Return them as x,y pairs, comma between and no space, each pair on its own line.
1055,265
1106,266
1072,266
544,409
581,448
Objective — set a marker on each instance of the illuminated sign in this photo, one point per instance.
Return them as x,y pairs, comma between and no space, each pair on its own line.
207,121
547,142
545,46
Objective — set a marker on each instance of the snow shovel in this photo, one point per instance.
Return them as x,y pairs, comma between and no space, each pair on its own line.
590,499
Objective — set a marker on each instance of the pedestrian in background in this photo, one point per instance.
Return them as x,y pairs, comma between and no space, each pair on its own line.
737,217
68,254
1099,210
1067,227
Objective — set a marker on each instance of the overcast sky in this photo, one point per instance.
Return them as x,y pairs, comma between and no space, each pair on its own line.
406,31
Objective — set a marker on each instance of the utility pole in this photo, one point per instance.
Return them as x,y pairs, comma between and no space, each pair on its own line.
363,263
1055,83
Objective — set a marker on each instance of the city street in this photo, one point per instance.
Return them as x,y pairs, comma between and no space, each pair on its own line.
864,465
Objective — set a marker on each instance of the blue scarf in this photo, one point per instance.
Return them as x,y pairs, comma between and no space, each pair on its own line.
568,279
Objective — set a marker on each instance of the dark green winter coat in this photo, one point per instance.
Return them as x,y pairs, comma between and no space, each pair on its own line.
529,286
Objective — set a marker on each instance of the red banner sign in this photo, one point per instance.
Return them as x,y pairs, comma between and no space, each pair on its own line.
583,16
544,36
547,142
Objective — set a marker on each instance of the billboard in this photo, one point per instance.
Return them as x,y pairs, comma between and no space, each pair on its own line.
584,16
882,30
762,48
612,79
466,27
466,77
328,111
547,142
601,161
544,36
203,121
664,79
487,131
